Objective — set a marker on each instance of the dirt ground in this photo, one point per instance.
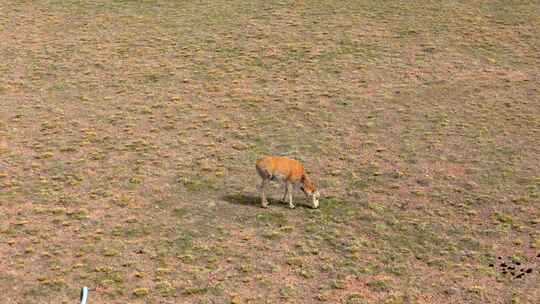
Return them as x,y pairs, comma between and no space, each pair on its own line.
129,132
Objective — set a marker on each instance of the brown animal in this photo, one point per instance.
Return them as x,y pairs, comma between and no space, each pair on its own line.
288,171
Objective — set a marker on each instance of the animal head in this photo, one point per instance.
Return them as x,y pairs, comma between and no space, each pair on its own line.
310,190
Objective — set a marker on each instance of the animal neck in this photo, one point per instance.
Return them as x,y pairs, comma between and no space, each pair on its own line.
306,182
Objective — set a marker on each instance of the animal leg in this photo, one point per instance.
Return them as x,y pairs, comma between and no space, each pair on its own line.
289,191
286,192
264,201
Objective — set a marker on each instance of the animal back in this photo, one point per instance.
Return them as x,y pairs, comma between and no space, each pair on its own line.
284,167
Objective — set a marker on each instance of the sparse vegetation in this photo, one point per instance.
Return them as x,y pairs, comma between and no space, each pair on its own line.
129,130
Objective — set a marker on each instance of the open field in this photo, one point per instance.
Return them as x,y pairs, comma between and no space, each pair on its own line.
129,132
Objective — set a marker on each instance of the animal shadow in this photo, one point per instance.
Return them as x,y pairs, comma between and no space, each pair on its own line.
242,199
255,201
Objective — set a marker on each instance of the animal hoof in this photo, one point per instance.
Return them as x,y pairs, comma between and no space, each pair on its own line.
264,205
292,206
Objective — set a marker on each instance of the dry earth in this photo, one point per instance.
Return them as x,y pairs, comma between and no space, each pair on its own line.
129,130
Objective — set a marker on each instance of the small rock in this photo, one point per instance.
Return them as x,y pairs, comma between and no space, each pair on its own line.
423,182
335,172
240,146
141,292
236,300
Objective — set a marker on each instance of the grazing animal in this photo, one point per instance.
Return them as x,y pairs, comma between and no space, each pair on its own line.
288,171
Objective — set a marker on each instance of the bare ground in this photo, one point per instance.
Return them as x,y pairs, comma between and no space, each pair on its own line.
129,130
